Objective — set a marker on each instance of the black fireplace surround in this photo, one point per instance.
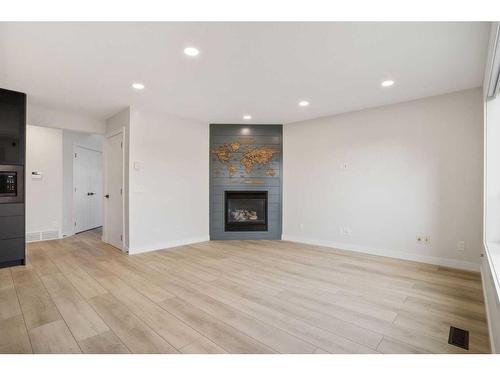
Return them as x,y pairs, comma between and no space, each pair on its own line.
245,211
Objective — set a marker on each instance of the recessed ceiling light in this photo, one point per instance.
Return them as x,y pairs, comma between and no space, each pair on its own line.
303,103
191,51
247,117
138,86
387,83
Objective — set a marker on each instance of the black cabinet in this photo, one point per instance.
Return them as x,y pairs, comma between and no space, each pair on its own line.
12,127
12,160
13,253
12,234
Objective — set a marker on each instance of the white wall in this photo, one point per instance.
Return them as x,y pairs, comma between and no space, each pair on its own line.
71,139
414,168
43,197
169,194
53,118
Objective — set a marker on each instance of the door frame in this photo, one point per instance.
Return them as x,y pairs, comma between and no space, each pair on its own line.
73,210
105,187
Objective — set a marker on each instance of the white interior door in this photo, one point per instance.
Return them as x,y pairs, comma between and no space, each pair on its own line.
113,221
96,188
81,190
87,178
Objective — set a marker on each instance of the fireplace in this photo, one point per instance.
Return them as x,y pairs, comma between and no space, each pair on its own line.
245,211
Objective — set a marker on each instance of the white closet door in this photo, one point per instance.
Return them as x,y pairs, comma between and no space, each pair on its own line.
87,178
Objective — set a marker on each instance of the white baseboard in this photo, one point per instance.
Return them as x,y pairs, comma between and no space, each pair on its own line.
168,245
453,263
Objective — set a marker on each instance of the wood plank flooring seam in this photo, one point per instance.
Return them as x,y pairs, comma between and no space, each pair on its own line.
237,329
62,317
111,329
138,317
205,337
287,331
217,319
92,309
262,322
22,313
242,311
147,324
346,337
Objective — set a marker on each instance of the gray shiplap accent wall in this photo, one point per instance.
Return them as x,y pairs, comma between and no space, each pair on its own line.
221,181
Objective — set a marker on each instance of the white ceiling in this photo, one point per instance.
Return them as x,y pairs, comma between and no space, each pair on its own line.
263,69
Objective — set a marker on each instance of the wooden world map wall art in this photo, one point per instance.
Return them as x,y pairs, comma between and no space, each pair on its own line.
251,158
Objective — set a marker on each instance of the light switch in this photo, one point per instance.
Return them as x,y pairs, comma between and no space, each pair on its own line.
137,166
36,175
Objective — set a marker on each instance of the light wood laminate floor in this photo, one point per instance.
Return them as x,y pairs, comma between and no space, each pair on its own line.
81,295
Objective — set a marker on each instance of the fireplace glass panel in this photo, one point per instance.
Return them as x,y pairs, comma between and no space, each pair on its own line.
246,211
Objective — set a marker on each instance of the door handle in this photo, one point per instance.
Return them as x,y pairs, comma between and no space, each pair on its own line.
106,196
90,193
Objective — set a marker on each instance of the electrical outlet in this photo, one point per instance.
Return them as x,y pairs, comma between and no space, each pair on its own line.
345,231
423,240
461,246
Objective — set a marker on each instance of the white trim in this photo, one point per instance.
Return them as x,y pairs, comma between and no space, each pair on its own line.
115,132
490,248
170,244
52,239
488,245
73,187
491,76
486,307
76,144
445,262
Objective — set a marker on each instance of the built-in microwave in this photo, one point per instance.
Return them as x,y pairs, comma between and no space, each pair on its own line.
11,184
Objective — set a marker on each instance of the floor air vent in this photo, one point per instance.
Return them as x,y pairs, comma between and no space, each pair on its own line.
459,337
42,236
32,237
